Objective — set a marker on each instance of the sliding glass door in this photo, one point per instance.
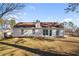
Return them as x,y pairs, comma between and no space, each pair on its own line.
47,32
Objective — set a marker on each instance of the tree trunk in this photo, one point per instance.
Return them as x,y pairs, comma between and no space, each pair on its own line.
1,15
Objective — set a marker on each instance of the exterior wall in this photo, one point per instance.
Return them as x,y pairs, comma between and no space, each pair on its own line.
17,32
38,25
27,32
38,32
54,32
61,33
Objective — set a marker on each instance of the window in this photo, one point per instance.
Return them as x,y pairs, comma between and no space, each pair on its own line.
22,31
33,31
45,32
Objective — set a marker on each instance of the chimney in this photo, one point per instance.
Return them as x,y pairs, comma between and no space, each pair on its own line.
37,25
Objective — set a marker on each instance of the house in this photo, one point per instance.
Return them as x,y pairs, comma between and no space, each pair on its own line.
38,29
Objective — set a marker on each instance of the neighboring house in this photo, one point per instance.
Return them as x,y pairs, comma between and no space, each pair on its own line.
38,29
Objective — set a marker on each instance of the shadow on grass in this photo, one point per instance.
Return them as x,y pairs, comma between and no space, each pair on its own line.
33,50
48,38
69,41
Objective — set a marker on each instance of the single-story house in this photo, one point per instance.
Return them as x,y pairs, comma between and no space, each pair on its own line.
38,29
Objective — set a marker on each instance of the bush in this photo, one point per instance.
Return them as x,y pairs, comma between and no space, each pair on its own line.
1,35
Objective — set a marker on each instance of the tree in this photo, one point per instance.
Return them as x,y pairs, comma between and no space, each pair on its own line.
71,24
1,23
6,23
37,20
5,8
12,22
8,8
72,7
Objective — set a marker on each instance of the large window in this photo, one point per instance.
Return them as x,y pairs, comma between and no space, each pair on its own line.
45,32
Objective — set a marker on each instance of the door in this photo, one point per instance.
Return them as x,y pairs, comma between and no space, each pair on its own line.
45,32
50,33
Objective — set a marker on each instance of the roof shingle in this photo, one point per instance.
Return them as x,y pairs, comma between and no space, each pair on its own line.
42,24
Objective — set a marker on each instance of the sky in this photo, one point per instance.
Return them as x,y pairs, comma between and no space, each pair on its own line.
45,12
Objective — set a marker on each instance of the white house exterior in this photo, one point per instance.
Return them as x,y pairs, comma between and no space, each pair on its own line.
38,29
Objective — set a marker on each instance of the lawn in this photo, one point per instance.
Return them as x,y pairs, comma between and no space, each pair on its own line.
39,46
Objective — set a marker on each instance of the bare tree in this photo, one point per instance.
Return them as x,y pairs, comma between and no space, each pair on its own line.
12,22
72,7
9,7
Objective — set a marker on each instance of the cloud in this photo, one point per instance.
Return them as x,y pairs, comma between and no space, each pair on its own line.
49,18
13,16
32,7
76,21
52,19
18,18
68,19
17,15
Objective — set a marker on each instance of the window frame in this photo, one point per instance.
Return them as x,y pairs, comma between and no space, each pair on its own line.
45,32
